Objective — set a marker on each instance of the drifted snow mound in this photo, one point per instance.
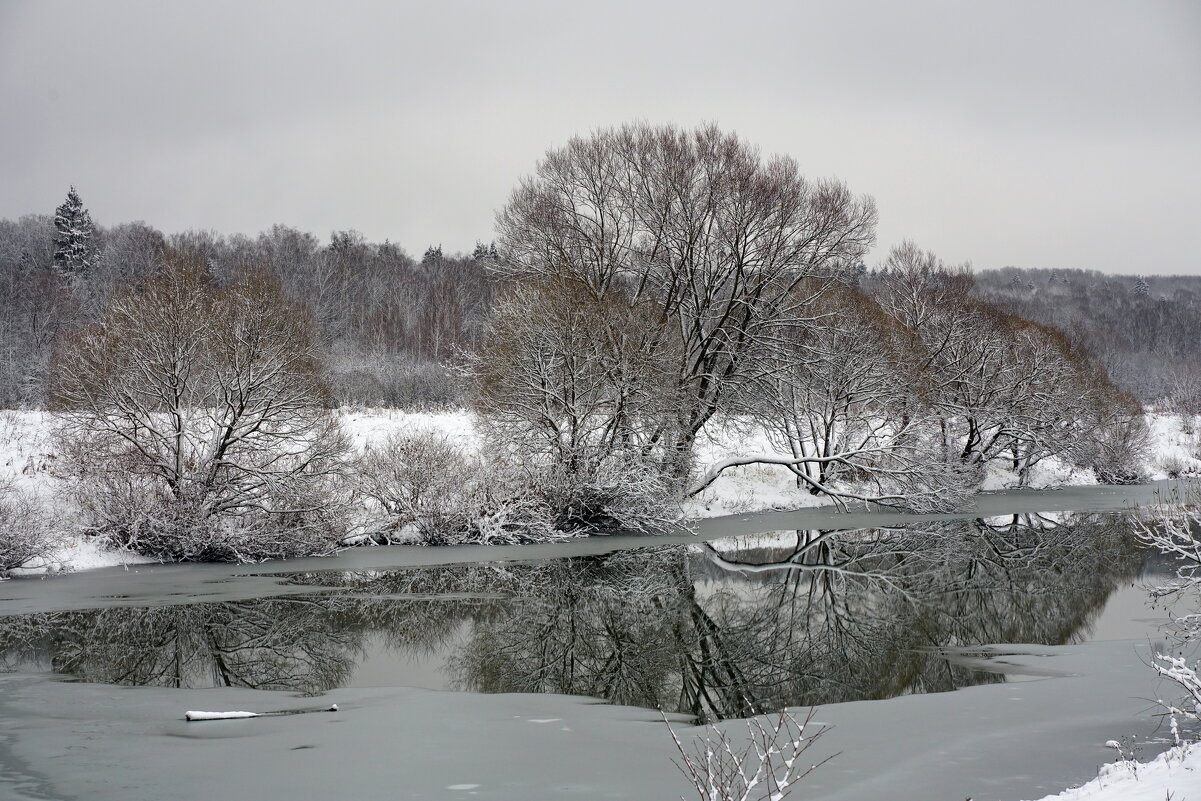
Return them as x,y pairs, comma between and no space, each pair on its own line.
1174,774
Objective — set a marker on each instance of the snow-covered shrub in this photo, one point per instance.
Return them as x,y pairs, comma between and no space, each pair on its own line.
26,532
1118,447
721,767
134,514
422,483
1174,465
613,494
397,381
1174,528
197,421
417,481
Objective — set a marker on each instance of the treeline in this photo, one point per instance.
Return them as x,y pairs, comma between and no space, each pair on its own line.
649,287
388,322
1145,329
391,322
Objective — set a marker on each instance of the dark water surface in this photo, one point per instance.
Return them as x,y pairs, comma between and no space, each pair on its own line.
714,630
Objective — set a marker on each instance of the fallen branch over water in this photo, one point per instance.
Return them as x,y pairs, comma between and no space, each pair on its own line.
194,715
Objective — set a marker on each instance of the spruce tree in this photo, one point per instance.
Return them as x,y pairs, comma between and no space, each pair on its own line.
74,250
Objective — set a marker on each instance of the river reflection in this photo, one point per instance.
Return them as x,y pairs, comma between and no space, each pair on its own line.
712,630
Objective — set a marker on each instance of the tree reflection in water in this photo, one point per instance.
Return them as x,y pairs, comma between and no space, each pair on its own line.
714,630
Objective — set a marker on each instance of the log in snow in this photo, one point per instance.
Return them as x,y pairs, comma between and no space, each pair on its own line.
194,715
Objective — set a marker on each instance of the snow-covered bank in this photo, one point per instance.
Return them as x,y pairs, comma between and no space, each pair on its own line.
28,461
1175,774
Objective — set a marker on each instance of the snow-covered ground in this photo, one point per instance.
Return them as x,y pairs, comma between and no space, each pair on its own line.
1174,775
27,459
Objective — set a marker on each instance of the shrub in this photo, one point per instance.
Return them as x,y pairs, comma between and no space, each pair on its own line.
422,483
197,418
26,533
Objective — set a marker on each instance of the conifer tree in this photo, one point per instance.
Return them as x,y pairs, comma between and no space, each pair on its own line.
74,248
432,255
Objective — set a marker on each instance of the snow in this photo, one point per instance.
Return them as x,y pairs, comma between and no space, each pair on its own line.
1175,774
1050,473
1175,445
26,452
994,742
747,488
366,427
76,552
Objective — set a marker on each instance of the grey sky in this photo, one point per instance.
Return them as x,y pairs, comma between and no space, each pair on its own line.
1040,134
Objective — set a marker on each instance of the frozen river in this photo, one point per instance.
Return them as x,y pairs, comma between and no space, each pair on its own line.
990,654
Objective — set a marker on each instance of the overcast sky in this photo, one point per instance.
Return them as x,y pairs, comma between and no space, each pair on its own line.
1040,134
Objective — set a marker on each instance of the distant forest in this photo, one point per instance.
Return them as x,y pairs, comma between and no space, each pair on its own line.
1145,329
390,322
394,324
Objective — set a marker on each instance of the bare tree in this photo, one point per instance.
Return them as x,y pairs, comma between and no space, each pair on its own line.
198,418
1174,528
845,406
575,392
1004,389
697,228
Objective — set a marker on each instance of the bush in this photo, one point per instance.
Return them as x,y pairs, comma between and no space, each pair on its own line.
611,495
400,382
764,765
422,484
26,533
419,482
1118,449
134,513
197,420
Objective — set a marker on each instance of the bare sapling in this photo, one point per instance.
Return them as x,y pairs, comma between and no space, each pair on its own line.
768,765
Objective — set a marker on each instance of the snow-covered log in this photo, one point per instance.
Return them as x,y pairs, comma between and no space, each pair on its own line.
196,715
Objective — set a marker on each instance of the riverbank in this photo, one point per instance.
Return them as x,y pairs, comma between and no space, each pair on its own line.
27,460
1171,775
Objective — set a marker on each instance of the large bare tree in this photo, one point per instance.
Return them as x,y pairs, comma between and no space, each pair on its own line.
844,404
699,229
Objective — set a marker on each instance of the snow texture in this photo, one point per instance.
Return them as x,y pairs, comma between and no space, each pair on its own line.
995,742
